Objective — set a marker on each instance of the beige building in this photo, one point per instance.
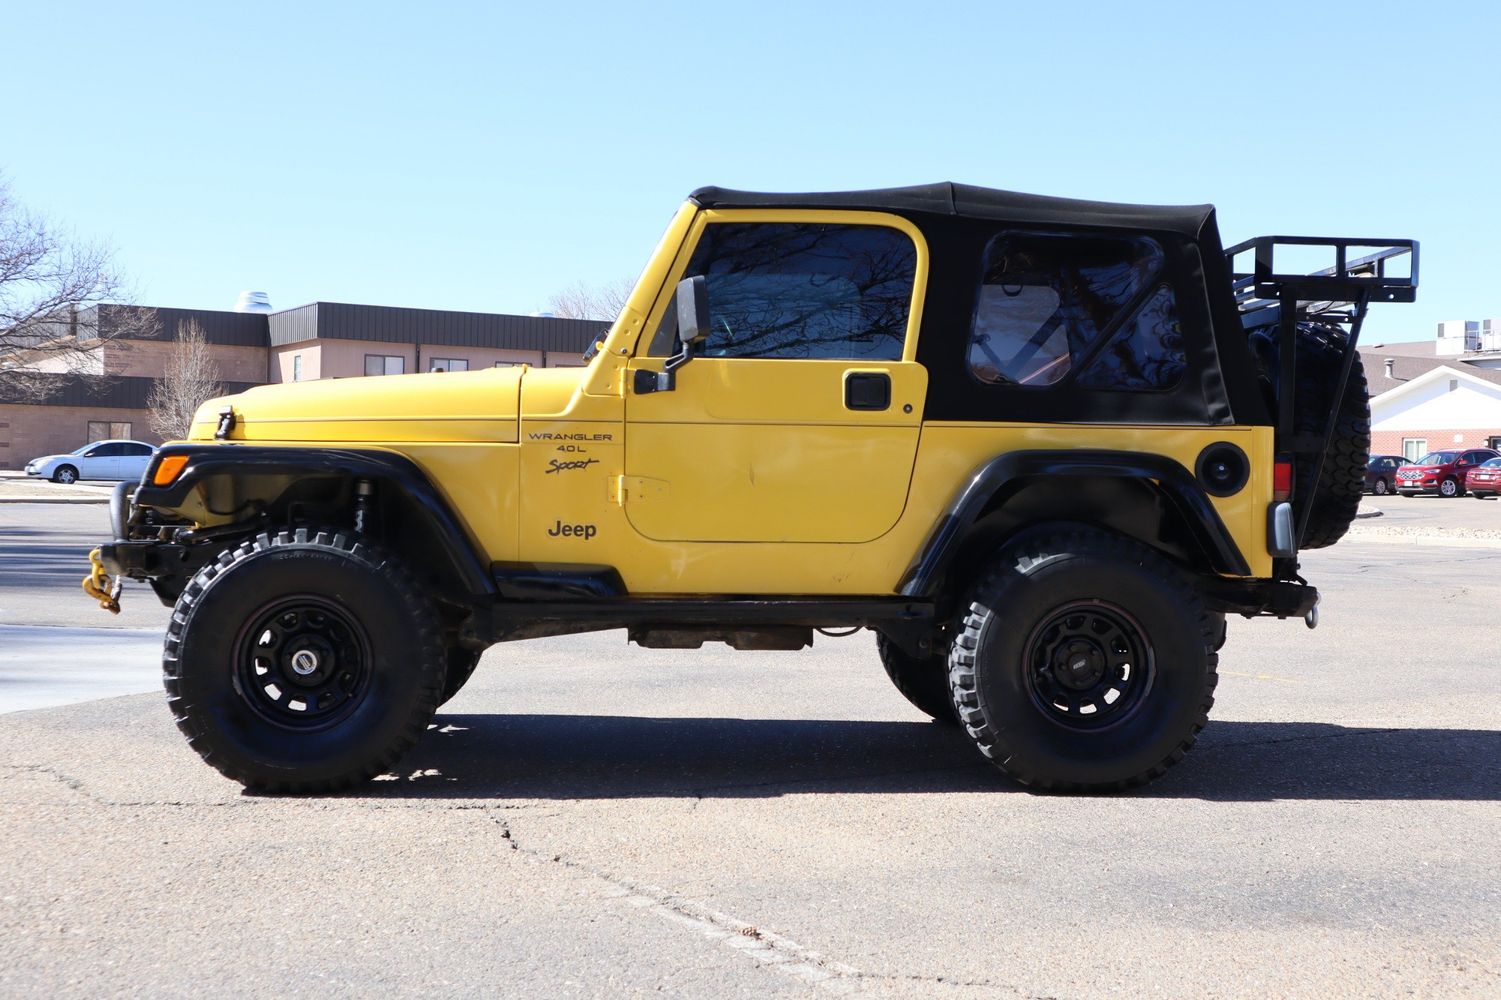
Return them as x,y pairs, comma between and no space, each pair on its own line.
101,391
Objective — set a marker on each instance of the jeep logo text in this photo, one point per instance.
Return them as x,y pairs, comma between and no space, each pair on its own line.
584,531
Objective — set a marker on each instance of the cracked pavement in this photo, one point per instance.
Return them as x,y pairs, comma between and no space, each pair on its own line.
589,819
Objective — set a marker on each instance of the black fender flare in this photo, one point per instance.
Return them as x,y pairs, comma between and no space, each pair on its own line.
209,460
925,574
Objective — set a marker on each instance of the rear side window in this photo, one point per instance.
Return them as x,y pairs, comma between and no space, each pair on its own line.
1054,306
802,290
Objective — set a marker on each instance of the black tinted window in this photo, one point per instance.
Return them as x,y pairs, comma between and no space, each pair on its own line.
802,290
1146,353
137,449
106,451
1046,299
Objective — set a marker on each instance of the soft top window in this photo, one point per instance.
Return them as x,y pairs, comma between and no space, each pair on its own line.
1052,305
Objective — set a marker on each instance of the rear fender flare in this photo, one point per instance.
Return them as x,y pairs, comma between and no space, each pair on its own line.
925,575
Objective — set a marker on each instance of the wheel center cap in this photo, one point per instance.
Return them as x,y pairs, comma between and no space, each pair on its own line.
305,662
1079,666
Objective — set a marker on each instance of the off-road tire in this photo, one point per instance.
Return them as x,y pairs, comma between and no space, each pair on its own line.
461,663
392,642
924,683
1031,583
65,474
1336,497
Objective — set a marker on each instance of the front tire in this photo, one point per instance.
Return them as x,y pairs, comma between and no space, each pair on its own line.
304,661
1083,662
65,474
1450,489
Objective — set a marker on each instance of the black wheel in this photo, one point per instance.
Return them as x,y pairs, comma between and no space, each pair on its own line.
923,682
1380,488
461,663
1084,662
65,474
1335,498
305,661
1450,488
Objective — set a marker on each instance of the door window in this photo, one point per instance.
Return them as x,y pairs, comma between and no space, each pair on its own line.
801,291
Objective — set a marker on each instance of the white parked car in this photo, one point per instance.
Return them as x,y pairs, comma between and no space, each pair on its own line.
99,460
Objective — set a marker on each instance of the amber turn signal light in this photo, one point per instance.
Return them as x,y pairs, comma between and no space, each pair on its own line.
168,469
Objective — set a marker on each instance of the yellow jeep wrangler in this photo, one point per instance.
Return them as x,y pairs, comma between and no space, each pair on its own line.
1040,446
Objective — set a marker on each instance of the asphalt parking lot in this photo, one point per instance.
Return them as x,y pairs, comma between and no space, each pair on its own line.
592,819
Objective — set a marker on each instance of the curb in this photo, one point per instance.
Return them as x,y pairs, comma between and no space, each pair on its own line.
1363,513
5,500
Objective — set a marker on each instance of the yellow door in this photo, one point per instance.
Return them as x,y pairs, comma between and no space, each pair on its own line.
798,419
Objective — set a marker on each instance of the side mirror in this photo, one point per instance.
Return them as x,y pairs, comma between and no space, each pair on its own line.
693,310
693,330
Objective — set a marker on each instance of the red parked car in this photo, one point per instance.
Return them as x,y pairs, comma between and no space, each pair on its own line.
1484,480
1442,472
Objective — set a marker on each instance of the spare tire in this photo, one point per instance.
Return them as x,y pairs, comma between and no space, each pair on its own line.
1336,496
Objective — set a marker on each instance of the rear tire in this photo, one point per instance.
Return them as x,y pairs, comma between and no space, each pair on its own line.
1083,662
1380,488
924,683
304,661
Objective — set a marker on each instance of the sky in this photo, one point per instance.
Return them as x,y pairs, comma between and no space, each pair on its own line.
483,156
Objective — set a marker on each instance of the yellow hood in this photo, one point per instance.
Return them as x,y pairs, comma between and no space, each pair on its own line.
441,406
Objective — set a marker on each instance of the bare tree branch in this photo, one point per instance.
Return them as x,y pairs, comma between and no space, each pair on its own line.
52,286
190,379
583,301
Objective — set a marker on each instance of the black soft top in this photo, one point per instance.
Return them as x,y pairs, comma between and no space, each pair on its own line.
966,200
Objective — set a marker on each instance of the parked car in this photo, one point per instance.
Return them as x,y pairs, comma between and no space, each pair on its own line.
96,460
1380,473
1442,472
1484,480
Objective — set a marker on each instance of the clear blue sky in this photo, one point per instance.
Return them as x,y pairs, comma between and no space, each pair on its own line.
482,155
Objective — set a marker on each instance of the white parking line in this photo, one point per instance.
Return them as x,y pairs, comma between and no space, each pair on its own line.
43,666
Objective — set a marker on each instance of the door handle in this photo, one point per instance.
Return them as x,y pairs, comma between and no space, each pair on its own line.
867,390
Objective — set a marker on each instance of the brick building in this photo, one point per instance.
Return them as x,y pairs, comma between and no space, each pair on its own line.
1429,396
104,396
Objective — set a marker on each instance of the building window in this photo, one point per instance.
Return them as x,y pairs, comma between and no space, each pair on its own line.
104,430
297,368
1414,448
1453,385
447,365
385,364
504,364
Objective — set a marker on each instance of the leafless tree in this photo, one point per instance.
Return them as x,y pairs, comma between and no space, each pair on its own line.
584,301
51,283
190,379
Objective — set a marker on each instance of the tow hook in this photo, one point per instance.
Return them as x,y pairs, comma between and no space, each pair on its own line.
1312,618
101,586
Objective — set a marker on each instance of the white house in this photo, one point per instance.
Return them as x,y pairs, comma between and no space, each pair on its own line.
1424,398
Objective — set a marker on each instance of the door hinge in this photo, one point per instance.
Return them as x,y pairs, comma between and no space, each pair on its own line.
636,489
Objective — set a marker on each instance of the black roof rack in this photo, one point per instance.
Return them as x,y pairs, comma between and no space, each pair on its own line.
1370,277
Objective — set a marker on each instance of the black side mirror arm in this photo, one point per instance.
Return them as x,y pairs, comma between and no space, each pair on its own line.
693,329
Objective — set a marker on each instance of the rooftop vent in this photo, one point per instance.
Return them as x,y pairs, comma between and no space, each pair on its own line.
253,302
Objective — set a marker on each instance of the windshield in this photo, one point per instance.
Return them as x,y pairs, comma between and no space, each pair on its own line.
1438,458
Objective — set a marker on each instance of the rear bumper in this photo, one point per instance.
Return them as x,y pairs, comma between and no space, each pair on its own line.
1253,598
